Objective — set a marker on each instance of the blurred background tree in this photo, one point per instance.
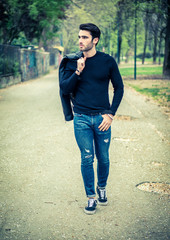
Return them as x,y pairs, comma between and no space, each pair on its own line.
34,20
166,66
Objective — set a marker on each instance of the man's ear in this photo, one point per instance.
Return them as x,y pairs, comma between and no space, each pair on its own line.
95,40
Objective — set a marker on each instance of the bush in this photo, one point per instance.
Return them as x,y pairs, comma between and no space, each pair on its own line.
8,66
147,55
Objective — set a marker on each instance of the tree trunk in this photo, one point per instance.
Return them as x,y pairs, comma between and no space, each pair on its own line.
159,51
119,47
146,38
145,44
160,45
120,30
166,66
127,56
155,46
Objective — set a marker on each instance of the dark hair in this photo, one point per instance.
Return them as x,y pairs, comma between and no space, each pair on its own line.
92,28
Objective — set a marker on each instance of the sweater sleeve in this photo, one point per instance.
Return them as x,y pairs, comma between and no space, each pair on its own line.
118,86
69,80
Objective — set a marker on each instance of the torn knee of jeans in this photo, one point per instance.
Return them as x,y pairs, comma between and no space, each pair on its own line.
106,140
88,156
87,160
87,150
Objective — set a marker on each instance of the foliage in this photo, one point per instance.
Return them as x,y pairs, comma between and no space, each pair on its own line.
101,13
32,17
8,66
21,40
113,16
16,68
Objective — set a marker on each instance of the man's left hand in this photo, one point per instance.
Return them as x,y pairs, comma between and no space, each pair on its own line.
106,123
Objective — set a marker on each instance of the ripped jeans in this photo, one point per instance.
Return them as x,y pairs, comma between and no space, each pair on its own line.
92,141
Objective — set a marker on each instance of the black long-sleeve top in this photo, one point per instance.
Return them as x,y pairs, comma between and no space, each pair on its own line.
90,89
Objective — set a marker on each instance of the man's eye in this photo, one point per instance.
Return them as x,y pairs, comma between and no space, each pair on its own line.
83,37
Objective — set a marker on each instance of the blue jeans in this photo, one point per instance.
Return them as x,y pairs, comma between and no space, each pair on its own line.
92,141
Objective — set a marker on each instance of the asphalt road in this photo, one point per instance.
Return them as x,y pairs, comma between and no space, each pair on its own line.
42,194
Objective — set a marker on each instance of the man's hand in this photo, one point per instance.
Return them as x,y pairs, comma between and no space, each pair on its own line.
106,123
81,64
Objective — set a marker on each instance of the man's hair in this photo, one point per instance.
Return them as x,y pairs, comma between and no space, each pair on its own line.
92,28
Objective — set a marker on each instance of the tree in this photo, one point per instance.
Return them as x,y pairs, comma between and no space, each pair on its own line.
125,15
146,24
120,28
154,22
156,27
33,17
101,13
166,66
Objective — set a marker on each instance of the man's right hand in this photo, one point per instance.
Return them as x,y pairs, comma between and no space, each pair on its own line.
81,64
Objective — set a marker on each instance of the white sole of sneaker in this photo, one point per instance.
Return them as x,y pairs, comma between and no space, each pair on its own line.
89,212
102,203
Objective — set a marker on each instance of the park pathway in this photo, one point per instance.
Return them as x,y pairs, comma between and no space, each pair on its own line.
42,195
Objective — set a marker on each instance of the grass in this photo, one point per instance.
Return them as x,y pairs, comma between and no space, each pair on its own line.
147,70
150,84
149,81
159,90
139,60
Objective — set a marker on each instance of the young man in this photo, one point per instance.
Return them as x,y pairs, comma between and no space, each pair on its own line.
86,77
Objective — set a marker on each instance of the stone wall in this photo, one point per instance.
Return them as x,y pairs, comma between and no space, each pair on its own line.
8,80
30,64
33,63
43,62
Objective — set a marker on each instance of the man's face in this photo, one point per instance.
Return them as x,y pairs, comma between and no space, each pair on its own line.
85,41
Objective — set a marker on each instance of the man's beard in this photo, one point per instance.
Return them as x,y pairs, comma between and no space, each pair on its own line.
88,48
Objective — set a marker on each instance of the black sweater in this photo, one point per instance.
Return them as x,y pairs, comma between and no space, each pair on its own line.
90,89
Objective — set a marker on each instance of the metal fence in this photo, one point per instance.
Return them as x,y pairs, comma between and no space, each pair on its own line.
24,63
9,59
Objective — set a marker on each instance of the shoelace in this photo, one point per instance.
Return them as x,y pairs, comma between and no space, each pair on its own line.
102,193
91,202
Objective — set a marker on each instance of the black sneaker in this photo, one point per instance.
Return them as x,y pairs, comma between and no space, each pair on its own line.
91,208
102,200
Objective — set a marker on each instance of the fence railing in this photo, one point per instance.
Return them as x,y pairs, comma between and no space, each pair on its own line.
9,60
28,63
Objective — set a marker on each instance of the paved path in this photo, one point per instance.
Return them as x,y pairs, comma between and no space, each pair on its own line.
42,194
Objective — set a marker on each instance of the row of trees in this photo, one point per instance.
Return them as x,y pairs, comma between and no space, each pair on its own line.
116,19
42,22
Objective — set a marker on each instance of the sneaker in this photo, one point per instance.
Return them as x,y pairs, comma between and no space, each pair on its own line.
102,200
91,208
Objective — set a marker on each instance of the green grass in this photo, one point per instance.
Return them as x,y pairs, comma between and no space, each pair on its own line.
159,91
147,60
154,92
153,87
155,70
